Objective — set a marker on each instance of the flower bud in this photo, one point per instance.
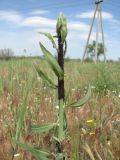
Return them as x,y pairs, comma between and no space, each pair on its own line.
61,27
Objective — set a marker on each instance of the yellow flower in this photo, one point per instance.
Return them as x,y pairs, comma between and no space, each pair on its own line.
90,121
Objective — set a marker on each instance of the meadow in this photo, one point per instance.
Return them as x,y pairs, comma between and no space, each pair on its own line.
93,131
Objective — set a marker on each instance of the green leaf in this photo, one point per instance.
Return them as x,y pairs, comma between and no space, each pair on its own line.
82,101
38,154
60,156
52,62
42,128
47,80
22,113
50,37
56,139
63,34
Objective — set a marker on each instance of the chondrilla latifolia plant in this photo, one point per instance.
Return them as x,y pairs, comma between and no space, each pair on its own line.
60,127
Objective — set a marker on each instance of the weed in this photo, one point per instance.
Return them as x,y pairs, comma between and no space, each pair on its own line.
58,139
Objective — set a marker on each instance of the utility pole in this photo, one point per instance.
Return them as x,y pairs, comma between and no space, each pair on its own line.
98,13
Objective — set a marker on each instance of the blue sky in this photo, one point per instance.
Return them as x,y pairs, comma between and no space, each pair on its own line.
21,20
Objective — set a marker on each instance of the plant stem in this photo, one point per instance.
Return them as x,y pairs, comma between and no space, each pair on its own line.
61,91
61,95
61,120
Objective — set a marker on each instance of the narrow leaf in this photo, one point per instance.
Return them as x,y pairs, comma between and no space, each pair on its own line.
50,37
42,128
47,80
38,154
89,152
56,139
82,101
21,117
52,62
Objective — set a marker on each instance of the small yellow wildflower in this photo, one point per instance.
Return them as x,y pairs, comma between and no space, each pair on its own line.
90,121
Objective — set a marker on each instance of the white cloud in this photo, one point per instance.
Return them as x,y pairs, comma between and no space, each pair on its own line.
37,21
10,16
39,12
89,14
78,33
30,39
75,25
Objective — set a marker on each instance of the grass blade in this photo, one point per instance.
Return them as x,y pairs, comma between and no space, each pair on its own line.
89,152
38,154
52,62
42,128
22,114
82,101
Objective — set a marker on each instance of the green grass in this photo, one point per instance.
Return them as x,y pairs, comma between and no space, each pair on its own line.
102,136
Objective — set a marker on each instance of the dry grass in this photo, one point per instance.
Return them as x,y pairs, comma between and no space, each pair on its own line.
98,139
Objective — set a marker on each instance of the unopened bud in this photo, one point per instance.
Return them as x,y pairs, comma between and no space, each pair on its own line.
61,27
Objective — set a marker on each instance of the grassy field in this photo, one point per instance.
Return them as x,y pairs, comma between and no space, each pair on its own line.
94,129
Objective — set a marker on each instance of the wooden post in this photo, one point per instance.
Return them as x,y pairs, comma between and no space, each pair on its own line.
90,33
99,24
97,35
103,37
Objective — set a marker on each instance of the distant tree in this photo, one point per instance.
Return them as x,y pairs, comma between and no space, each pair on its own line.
6,53
91,50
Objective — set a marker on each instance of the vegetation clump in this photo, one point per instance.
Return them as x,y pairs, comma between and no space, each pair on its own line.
60,126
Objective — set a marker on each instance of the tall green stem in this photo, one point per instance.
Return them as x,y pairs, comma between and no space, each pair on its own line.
61,120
